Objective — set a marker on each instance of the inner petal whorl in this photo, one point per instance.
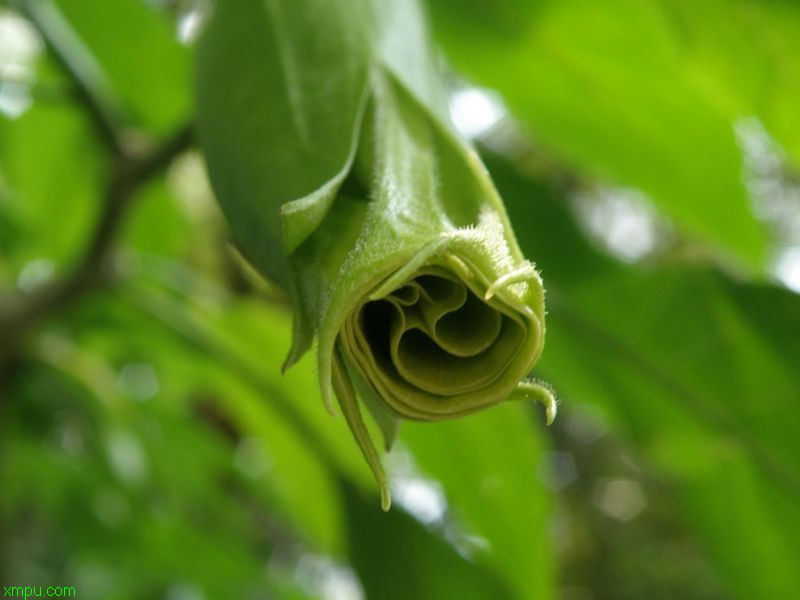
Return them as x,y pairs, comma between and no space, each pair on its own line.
436,335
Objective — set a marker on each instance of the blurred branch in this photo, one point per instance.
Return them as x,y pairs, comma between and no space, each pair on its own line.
92,86
20,311
128,174
130,167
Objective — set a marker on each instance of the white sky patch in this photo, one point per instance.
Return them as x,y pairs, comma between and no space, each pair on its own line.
424,499
326,579
19,47
774,195
421,497
787,268
15,97
623,220
475,111
191,20
774,198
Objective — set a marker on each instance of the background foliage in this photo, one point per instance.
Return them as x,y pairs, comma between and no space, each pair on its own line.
149,447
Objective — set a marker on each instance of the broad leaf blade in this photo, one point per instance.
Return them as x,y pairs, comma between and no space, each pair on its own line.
487,465
607,87
695,369
274,124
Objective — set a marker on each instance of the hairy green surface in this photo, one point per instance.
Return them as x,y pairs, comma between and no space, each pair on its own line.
356,195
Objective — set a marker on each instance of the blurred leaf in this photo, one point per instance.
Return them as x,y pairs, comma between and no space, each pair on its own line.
64,492
610,88
136,47
157,226
52,168
396,557
224,356
262,332
698,376
745,62
487,465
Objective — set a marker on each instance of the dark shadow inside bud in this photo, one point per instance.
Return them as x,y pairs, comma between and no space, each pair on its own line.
375,322
436,335
469,330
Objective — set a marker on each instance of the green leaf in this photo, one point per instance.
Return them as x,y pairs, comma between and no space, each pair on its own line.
610,88
138,51
745,62
416,564
487,465
217,363
695,369
70,498
49,161
276,127
228,354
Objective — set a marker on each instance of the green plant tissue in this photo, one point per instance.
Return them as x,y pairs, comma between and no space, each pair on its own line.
342,180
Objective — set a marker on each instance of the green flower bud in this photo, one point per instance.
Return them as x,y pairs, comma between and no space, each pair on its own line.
393,244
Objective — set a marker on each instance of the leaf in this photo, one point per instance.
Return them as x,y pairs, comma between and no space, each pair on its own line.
228,357
744,63
48,161
487,465
137,49
692,367
417,563
275,126
611,89
68,498
217,372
